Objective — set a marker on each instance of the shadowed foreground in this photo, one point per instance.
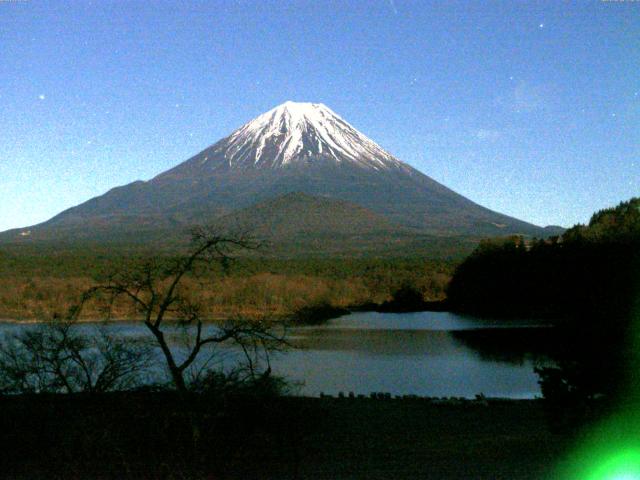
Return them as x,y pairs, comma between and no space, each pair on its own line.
147,435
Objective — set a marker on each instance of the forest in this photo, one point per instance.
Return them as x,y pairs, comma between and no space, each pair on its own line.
585,282
34,285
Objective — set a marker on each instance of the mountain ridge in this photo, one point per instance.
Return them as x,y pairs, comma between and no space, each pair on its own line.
294,147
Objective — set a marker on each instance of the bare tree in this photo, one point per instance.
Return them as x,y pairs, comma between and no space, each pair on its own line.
153,288
56,357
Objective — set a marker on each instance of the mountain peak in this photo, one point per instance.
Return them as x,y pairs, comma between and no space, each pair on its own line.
294,147
298,133
289,116
301,106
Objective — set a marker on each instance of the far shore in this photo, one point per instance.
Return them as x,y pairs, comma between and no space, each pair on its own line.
317,315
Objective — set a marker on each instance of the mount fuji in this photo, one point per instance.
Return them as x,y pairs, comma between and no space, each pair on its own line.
298,158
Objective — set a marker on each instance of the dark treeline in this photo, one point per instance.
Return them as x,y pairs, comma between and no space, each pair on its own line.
548,279
584,282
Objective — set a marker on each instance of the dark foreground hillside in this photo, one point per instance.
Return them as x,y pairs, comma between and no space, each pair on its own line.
145,435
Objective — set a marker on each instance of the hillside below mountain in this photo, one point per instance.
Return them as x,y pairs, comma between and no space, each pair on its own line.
298,214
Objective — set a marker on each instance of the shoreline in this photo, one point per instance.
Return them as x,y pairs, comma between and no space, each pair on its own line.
326,313
315,438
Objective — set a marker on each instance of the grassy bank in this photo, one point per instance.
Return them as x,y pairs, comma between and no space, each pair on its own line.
147,435
35,286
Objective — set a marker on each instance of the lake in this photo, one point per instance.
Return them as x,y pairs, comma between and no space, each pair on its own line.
437,354
426,353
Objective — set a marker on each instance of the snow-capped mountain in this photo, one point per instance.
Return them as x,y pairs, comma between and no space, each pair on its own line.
292,134
301,132
295,147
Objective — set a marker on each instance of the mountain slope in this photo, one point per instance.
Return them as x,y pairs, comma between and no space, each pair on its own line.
296,215
297,224
295,147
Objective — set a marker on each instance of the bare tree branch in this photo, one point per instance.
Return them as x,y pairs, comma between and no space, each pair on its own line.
153,288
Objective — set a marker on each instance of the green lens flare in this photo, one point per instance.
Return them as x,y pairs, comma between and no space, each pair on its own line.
624,465
610,452
621,466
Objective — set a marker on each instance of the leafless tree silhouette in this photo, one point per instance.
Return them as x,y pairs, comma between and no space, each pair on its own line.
57,357
152,287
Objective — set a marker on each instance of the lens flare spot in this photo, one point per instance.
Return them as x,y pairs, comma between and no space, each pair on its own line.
622,466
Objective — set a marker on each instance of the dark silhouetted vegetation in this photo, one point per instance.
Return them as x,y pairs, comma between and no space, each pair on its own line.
408,298
585,282
147,435
317,314
59,357
153,289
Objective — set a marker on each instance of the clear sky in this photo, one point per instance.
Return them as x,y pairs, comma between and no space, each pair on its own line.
529,108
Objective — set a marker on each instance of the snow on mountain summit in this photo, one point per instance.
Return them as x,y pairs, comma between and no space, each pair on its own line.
300,133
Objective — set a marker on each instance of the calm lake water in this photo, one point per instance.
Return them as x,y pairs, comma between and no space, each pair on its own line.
426,353
435,354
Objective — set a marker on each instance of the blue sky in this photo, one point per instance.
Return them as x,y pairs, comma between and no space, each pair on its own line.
529,108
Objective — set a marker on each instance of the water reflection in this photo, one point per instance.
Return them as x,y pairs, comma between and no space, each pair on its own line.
426,353
380,342
511,345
